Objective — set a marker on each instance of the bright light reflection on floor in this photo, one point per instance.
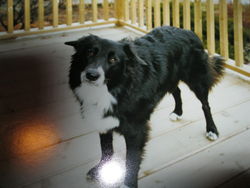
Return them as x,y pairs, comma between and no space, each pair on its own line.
112,172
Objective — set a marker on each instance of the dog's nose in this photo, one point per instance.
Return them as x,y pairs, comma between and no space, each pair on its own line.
92,74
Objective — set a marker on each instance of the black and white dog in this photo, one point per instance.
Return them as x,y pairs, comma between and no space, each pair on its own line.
118,85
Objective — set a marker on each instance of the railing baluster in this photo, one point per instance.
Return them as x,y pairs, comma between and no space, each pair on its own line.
27,15
166,12
55,13
106,9
10,16
81,11
149,14
238,36
40,14
126,10
176,13
94,10
223,29
69,12
141,13
186,14
210,27
157,19
198,18
133,11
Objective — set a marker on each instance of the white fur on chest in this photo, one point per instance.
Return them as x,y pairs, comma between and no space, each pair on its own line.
96,101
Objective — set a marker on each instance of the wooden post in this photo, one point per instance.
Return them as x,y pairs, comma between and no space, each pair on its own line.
94,10
40,14
186,14
106,9
149,14
81,11
176,13
55,13
238,36
210,27
141,13
157,18
198,18
27,15
10,16
68,12
133,11
120,9
223,29
126,10
166,12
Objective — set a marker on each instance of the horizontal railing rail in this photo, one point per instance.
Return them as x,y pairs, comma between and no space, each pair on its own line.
19,18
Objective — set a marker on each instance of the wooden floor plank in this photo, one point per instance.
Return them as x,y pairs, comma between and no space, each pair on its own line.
169,150
241,180
205,169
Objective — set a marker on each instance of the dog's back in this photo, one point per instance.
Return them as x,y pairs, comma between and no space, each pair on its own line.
179,54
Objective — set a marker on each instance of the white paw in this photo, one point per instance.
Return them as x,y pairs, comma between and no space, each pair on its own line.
174,117
211,136
124,186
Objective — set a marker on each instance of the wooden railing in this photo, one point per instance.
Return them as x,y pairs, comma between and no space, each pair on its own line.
142,15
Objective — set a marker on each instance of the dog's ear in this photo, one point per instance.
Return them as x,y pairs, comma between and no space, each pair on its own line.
131,53
72,43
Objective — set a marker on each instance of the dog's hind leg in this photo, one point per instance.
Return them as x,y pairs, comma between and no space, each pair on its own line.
107,152
177,113
201,93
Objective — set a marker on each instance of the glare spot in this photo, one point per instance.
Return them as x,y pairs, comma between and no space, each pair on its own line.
112,172
29,141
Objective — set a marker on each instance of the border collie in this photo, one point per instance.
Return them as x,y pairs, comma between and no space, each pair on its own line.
118,85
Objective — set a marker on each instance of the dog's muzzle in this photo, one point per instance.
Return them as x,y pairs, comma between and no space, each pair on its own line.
92,74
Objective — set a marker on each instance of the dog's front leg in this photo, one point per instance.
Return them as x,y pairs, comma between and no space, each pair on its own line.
107,152
135,145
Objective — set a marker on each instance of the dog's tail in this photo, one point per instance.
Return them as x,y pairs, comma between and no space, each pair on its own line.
217,68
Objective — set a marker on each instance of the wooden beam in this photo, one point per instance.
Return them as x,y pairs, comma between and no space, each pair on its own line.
210,27
49,30
198,18
40,14
157,15
166,12
27,15
238,36
223,29
176,13
55,13
186,14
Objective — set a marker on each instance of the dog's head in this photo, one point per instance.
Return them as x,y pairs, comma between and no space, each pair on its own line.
99,61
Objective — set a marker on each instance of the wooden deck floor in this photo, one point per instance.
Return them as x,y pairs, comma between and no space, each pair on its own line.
44,145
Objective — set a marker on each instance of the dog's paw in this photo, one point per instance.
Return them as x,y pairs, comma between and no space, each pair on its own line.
124,186
92,174
174,117
211,136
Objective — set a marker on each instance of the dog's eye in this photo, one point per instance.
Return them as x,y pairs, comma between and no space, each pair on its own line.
90,52
112,60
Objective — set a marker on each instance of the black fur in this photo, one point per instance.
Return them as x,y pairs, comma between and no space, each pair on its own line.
145,70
